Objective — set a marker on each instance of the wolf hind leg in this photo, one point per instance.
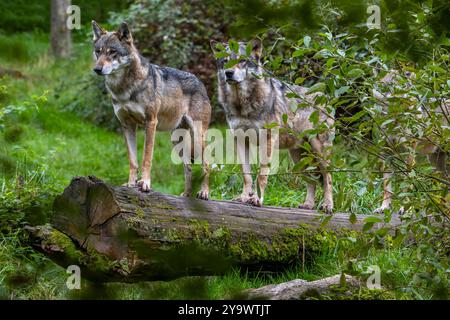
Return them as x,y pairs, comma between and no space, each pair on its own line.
296,155
198,132
322,152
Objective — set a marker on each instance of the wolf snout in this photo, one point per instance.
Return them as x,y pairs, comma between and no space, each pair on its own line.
98,70
229,74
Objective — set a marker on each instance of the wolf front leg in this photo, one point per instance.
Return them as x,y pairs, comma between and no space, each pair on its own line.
247,196
387,192
204,188
150,131
129,132
266,153
322,150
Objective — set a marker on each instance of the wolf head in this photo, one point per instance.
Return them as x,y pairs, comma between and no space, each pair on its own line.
113,51
245,69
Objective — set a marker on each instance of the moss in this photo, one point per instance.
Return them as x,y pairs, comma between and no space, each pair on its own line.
139,213
65,243
164,206
286,246
91,259
361,294
99,262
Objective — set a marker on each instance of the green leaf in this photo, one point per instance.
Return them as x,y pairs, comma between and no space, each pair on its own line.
353,218
300,80
314,117
342,281
219,46
355,73
372,219
231,63
324,53
292,95
318,87
285,117
271,125
367,226
325,220
339,92
222,54
249,49
234,46
305,161
276,63
382,232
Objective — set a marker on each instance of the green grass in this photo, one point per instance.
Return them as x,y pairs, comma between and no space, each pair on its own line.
22,48
45,146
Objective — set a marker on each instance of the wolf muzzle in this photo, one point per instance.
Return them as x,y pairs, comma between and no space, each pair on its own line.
98,70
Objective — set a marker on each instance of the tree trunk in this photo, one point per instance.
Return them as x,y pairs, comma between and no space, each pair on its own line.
341,285
119,233
60,33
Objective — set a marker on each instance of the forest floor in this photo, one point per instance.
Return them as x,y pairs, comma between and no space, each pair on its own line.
45,146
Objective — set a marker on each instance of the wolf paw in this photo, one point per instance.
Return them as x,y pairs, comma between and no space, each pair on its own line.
306,206
381,210
251,199
145,185
185,194
129,185
203,194
327,208
255,201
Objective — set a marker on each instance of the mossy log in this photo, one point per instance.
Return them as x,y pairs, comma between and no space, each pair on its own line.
117,233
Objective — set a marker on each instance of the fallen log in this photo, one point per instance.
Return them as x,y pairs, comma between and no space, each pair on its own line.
299,289
116,233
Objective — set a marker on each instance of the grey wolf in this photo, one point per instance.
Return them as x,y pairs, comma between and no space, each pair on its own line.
438,158
251,101
154,97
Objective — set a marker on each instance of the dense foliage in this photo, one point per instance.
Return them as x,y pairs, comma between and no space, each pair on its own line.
350,66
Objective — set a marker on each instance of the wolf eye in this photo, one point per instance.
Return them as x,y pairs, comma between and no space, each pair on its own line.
242,61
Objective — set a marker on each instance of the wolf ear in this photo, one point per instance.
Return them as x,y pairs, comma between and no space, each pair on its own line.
257,48
213,44
124,33
97,30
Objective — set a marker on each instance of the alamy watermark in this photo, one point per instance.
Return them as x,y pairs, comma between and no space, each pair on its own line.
73,17
251,146
374,280
374,20
73,281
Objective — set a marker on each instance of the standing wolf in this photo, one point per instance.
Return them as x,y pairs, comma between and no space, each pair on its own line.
252,101
150,96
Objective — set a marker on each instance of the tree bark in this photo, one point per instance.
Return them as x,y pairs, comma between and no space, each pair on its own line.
341,285
60,34
121,234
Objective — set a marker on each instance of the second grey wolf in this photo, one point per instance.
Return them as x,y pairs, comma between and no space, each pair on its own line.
251,101
438,158
157,98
